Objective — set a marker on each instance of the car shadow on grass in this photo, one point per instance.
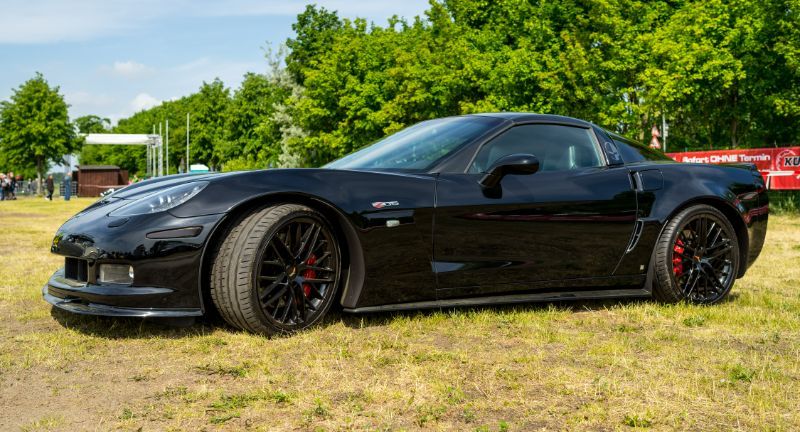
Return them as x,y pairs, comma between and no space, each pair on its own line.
373,319
135,328
175,328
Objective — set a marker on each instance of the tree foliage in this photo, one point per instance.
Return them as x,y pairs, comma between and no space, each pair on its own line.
723,73
315,28
250,132
34,127
92,124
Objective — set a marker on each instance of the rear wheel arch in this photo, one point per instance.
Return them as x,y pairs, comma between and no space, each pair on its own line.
352,255
730,213
709,262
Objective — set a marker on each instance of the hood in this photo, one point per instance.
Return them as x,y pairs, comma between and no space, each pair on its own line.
138,190
141,189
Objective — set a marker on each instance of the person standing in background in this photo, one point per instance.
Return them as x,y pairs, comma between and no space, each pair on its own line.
67,186
2,187
12,186
50,187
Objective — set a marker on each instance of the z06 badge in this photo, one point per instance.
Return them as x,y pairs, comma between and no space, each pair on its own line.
382,204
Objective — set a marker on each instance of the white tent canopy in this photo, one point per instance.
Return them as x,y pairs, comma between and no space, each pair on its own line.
121,139
155,153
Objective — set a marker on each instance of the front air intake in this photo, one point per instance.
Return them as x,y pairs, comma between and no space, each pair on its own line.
76,269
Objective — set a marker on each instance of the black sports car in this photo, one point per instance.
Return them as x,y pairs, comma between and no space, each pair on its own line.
469,210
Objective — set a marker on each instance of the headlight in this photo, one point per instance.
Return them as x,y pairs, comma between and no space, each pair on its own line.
161,200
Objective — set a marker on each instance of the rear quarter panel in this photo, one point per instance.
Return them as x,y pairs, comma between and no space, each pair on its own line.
736,190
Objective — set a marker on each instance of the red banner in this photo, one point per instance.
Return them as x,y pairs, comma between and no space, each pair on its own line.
779,166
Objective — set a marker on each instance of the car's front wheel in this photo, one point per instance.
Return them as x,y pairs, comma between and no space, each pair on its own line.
696,257
277,271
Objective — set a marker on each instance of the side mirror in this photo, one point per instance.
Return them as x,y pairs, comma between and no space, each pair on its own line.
518,163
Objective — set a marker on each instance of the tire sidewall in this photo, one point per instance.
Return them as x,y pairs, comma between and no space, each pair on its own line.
330,293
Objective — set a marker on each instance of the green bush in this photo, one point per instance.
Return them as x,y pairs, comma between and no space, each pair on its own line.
784,201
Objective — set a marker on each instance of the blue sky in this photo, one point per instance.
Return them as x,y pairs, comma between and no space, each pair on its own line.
115,57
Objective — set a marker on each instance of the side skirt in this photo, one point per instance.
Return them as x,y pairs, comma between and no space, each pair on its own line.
506,299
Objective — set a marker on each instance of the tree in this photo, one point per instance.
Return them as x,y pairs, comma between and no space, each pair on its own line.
92,124
315,29
251,136
208,108
723,72
35,128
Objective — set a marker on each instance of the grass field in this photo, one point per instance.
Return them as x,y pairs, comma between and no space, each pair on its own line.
568,366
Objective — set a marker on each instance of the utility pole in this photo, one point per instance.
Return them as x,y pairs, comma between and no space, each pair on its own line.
664,130
151,153
147,160
160,153
187,142
167,147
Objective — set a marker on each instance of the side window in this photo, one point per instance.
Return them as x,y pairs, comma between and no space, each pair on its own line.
634,152
557,147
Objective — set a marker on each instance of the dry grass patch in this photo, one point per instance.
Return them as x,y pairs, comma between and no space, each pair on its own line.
576,366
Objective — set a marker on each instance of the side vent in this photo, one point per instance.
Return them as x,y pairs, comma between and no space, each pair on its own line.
647,180
637,232
636,181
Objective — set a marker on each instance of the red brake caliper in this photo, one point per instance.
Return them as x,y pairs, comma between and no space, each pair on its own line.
677,261
309,274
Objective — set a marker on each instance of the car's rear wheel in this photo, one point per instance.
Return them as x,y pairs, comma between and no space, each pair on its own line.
277,271
696,258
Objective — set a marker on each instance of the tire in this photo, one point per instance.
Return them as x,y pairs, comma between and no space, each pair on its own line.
277,271
696,258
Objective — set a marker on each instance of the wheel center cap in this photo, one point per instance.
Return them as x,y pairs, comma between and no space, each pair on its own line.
292,271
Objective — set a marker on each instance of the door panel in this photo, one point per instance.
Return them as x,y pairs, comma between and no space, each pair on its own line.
548,226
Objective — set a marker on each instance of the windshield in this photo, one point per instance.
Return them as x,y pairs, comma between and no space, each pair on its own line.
420,146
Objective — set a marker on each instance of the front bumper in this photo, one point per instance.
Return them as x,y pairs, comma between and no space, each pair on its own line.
167,269
109,299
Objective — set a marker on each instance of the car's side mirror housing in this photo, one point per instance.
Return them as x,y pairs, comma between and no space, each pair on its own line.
518,163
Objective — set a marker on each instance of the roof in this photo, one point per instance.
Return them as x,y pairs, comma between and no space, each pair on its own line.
97,167
521,117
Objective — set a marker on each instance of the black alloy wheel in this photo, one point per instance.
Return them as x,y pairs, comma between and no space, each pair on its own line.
697,257
702,260
296,272
277,271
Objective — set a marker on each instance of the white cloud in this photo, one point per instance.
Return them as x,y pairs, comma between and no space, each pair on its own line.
83,99
143,101
164,84
47,21
378,10
128,69
193,65
206,69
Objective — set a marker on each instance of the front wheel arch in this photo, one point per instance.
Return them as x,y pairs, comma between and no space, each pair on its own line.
346,235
